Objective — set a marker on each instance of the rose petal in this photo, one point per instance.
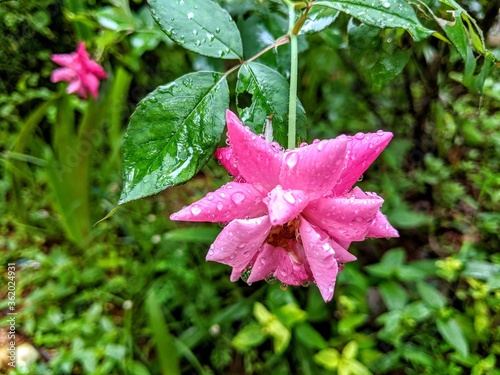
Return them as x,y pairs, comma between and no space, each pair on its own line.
63,74
381,228
77,87
225,156
362,150
91,84
347,218
258,161
264,264
238,242
314,168
290,270
66,60
285,205
321,258
234,200
96,69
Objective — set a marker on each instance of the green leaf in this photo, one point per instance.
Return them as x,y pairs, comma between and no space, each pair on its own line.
379,61
249,337
165,345
382,14
357,368
405,218
431,296
350,351
393,294
200,26
290,314
410,273
389,263
455,31
200,234
417,311
328,358
309,337
270,95
173,133
262,314
280,334
453,334
481,270
349,324
415,355
318,19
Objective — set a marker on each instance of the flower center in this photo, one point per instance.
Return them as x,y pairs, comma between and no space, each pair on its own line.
281,235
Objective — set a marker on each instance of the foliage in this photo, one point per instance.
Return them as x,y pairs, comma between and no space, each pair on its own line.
133,293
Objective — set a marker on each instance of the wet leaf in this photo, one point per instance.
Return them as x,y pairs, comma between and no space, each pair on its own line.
378,63
269,91
382,14
173,133
200,26
318,19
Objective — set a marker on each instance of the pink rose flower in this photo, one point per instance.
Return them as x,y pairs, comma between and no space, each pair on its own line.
292,214
82,73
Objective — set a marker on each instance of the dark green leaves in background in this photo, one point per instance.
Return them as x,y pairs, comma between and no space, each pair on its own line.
378,59
200,26
173,133
270,91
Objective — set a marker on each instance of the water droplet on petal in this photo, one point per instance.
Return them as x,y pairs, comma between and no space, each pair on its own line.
321,145
291,159
190,15
270,279
195,210
220,206
246,274
238,197
380,132
289,197
359,136
283,286
306,283
360,178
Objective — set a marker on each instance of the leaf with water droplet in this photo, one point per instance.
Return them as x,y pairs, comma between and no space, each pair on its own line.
318,18
170,138
383,14
269,91
378,64
192,17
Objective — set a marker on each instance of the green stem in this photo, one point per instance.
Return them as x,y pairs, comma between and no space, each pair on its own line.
292,109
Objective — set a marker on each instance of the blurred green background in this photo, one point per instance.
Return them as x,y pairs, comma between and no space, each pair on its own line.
134,295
